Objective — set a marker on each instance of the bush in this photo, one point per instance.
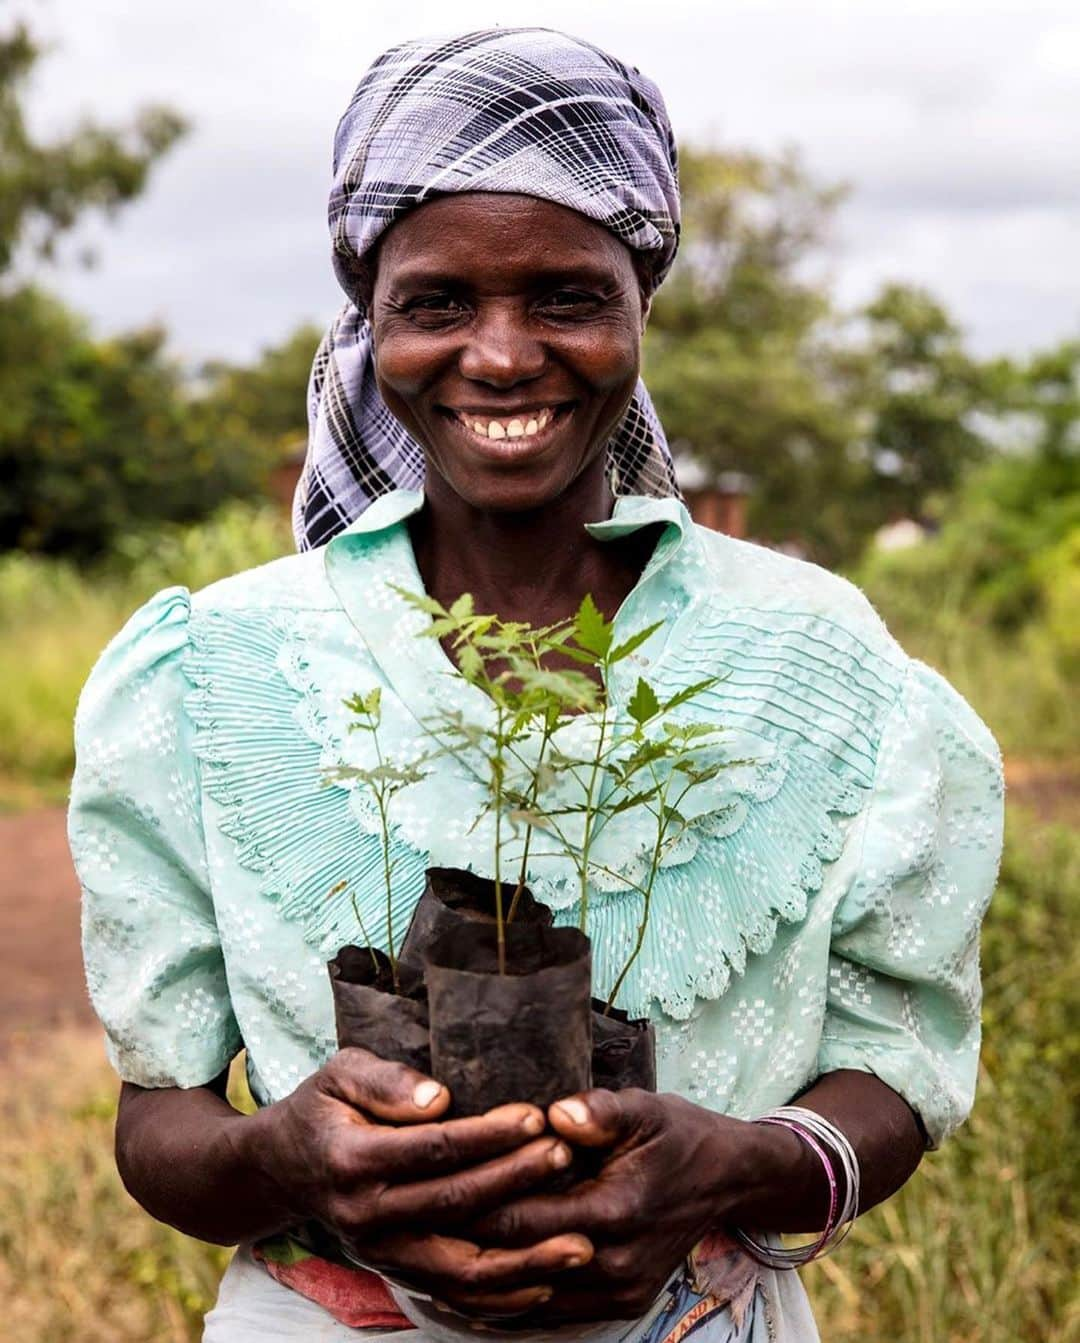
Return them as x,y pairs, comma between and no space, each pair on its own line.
993,600
55,619
99,436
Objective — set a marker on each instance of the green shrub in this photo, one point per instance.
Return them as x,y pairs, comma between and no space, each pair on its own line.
56,618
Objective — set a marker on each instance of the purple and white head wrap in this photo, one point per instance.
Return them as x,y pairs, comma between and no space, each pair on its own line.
524,110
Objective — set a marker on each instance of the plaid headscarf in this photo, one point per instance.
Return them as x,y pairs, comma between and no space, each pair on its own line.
523,110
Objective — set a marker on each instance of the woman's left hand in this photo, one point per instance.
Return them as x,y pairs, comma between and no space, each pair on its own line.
674,1171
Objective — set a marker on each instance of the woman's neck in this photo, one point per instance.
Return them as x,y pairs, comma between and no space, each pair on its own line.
534,566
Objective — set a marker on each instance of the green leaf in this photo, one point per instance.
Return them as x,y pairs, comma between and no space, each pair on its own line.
591,630
691,690
643,703
420,600
687,732
463,606
632,800
470,663
634,642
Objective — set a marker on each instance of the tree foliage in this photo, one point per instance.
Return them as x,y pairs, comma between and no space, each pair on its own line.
97,436
45,188
843,421
268,397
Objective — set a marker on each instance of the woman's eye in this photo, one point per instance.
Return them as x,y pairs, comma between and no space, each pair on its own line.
565,300
436,307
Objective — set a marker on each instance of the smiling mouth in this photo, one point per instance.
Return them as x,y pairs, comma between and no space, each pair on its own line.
505,432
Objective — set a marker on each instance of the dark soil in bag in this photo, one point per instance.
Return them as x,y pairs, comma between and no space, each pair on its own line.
452,897
623,1051
371,1013
521,1036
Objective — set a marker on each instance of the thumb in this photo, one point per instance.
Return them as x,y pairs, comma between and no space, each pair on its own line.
392,1092
601,1118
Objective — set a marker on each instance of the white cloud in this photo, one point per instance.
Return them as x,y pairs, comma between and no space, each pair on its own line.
953,120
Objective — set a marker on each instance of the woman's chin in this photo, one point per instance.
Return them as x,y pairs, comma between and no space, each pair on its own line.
522,486
510,492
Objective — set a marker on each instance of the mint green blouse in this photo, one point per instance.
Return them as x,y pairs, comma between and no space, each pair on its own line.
822,910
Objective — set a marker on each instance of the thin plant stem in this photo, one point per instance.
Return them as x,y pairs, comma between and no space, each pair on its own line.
654,868
364,933
533,798
590,815
500,923
380,798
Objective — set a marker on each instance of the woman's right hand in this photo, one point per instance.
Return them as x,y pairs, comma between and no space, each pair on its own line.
359,1146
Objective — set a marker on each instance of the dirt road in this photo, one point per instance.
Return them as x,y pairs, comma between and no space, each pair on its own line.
41,979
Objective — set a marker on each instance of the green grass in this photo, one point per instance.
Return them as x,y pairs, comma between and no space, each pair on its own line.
981,1246
55,620
1020,680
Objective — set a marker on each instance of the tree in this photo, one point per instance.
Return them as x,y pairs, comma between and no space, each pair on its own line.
737,356
46,188
99,436
930,403
269,397
96,436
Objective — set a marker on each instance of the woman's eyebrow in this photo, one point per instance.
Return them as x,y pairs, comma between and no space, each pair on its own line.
418,278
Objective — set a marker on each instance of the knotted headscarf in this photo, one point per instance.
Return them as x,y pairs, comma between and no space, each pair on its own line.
523,110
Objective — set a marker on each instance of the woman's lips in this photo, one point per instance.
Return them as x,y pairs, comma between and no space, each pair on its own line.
508,443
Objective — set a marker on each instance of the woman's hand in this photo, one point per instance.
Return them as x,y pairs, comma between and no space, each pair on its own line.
673,1172
358,1147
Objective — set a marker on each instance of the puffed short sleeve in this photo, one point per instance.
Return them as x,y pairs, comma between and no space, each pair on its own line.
153,960
904,991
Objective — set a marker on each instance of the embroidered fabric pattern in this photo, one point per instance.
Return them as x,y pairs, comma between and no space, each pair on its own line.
825,915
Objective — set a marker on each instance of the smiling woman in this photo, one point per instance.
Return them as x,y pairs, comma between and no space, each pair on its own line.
504,206
507,337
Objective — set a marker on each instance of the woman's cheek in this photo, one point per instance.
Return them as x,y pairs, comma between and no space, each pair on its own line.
406,361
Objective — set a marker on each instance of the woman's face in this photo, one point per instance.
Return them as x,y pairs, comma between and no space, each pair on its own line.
507,336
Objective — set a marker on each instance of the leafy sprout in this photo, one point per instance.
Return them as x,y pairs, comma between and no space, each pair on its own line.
647,761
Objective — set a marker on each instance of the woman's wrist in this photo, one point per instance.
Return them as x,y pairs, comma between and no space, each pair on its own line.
250,1153
779,1184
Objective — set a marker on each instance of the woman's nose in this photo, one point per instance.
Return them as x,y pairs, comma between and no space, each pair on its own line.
500,349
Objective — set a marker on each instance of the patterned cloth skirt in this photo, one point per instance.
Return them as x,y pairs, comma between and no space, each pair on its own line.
720,1296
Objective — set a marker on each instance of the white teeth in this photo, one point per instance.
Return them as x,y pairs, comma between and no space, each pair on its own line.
516,428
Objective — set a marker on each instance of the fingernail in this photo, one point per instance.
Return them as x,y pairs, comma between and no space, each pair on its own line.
425,1093
576,1111
545,1294
560,1155
532,1123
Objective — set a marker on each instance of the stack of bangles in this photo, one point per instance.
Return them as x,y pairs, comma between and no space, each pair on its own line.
833,1151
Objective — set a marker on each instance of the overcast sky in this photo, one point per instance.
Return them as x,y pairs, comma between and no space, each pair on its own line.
956,124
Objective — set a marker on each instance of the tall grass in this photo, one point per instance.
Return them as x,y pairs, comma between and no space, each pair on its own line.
55,619
982,1245
1020,680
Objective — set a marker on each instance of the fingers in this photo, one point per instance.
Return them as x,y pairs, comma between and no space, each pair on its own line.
602,1118
497,1305
589,1209
388,1091
416,1151
444,1265
464,1194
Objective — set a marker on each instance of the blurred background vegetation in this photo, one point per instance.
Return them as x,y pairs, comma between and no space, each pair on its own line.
124,471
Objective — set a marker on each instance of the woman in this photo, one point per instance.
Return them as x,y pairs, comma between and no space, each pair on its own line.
504,206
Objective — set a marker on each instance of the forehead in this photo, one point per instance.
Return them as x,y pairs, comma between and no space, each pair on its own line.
493,234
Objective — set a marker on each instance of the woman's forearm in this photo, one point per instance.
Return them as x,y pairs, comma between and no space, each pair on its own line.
785,1188
190,1160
